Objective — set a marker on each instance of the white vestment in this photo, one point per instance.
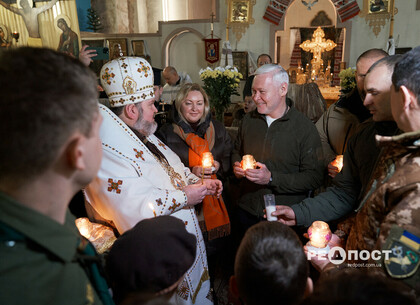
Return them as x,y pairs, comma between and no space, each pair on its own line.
132,184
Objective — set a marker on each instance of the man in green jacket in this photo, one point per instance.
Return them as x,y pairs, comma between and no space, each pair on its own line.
49,149
285,144
350,185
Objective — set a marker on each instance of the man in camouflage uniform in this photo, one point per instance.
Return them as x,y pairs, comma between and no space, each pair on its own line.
389,216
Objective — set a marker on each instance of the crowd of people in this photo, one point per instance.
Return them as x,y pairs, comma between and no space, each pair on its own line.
178,223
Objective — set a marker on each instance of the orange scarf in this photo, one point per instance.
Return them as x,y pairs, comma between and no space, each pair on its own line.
216,218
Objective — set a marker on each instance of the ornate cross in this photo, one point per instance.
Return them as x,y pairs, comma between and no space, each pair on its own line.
317,46
114,186
174,206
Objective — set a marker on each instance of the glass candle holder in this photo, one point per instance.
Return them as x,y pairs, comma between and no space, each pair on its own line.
84,226
207,160
319,234
338,162
248,162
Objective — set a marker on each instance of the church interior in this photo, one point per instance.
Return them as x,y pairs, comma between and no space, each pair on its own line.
315,41
171,33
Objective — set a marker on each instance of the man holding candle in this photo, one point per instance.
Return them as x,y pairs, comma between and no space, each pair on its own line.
389,216
351,184
284,143
140,176
342,119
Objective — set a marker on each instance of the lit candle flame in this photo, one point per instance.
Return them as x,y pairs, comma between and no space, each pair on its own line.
338,162
319,234
84,226
207,160
248,162
152,208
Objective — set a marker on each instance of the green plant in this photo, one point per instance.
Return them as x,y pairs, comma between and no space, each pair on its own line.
347,80
219,85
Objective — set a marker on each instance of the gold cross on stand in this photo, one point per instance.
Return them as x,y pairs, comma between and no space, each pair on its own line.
317,46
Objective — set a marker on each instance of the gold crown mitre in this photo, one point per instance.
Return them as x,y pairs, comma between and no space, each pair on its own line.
127,80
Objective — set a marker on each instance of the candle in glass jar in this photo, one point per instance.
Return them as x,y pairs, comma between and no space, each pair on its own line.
84,226
248,162
207,160
338,162
319,234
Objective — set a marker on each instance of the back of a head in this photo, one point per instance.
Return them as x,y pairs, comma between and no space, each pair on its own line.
270,265
372,53
279,74
361,287
407,72
45,97
388,61
151,257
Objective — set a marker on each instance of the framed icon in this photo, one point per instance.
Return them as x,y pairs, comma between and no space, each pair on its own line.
240,61
138,47
117,47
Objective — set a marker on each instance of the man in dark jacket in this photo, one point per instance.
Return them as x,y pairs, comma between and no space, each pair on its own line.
343,118
359,159
284,143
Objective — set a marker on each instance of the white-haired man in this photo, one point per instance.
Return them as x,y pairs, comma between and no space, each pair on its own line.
285,143
140,177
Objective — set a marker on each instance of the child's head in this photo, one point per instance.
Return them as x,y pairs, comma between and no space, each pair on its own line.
270,266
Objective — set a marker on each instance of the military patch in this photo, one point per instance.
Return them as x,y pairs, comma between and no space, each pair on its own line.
404,259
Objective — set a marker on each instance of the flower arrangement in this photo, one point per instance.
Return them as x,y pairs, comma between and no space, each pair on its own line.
347,80
219,85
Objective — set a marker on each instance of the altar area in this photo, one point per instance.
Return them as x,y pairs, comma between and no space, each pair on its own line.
312,64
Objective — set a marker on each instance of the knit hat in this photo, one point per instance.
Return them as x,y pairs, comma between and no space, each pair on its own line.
127,80
151,256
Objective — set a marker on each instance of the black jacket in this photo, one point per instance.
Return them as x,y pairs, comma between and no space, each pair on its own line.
222,145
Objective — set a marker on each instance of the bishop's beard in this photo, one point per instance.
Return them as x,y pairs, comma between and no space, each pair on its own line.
144,127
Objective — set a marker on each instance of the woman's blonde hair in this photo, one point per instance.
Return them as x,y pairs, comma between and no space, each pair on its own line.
182,95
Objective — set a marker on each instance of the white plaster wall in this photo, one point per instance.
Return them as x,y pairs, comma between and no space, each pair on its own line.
406,26
259,37
187,54
177,10
141,11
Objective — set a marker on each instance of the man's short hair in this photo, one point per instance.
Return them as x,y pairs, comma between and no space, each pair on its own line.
170,69
388,61
407,72
182,95
261,55
45,97
270,265
279,74
371,53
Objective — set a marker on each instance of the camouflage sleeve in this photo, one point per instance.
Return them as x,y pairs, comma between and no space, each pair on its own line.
399,234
